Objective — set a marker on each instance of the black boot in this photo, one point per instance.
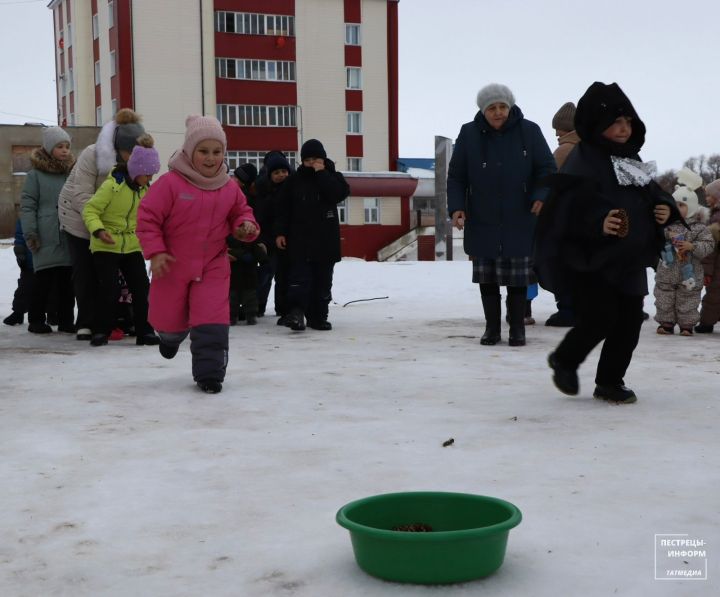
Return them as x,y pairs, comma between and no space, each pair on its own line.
516,311
491,306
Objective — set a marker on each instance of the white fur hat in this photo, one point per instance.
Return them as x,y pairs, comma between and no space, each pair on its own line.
689,198
690,179
494,93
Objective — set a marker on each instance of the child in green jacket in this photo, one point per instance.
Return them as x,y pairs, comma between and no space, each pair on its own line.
111,218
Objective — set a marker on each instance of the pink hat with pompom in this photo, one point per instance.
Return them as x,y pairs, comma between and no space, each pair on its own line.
201,128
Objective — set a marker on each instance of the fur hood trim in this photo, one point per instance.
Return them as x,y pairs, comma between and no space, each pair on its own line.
41,160
105,155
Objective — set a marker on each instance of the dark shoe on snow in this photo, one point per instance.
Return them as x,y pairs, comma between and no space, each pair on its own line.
700,328
516,338
98,340
617,394
250,320
666,329
559,320
283,321
296,321
168,351
147,340
67,329
490,338
39,328
210,386
84,334
323,325
564,378
15,318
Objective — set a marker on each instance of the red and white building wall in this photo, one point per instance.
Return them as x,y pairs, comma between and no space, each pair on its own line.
275,72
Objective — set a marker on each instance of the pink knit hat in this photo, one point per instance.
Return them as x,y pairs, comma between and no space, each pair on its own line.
200,128
143,161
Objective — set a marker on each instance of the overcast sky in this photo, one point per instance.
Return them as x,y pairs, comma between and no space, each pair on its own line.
663,53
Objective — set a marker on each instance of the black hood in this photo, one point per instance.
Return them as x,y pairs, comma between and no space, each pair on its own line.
598,108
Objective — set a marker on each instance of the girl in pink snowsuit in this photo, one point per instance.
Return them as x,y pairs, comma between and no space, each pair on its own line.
183,221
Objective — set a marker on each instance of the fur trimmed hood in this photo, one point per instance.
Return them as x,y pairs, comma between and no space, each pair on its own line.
105,154
41,160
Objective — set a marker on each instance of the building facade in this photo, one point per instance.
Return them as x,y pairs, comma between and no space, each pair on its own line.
274,72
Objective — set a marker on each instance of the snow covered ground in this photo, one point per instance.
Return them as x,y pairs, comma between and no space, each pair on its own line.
120,478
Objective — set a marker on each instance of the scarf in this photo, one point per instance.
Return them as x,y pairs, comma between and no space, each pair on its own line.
181,163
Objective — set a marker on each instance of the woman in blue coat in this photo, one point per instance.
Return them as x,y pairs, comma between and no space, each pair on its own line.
494,194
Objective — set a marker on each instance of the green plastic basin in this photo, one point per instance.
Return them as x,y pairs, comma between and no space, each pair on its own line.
468,538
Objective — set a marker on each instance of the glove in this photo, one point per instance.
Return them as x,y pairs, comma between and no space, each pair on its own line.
32,242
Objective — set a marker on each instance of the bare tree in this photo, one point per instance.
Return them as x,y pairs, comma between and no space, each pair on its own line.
667,180
713,167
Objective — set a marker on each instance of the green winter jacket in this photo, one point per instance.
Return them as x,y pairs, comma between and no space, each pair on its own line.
114,208
39,213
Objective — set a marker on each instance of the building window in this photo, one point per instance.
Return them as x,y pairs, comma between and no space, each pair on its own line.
69,31
354,78
372,210
97,73
70,81
239,115
63,84
113,107
254,24
95,26
255,70
98,116
354,164
113,65
342,211
352,34
111,14
235,158
354,123
71,119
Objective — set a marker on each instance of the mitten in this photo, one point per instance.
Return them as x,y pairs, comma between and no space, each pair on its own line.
32,242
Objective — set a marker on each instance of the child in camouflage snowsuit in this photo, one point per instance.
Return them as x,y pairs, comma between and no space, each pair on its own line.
679,276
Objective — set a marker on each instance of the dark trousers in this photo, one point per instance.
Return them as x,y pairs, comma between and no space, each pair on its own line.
84,279
266,272
602,312
24,291
310,288
243,288
132,266
282,281
57,281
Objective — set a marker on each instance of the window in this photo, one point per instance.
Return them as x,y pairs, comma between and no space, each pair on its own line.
239,115
354,123
111,14
254,24
255,70
235,158
68,41
97,73
354,78
70,81
95,26
71,119
352,35
354,164
98,115
372,211
113,65
113,107
342,211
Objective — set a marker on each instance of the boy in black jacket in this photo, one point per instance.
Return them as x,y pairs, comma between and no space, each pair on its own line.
308,228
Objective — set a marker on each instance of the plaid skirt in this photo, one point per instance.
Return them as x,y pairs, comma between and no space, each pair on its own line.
504,271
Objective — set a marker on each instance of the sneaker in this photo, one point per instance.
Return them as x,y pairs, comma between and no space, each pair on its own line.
700,328
147,340
323,325
15,318
84,334
98,340
39,328
168,351
296,321
618,394
210,386
564,378
686,331
666,329
529,320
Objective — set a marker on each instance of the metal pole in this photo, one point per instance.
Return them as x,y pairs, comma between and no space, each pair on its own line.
443,232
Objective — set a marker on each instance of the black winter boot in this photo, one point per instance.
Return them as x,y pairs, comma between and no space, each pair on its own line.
491,307
15,318
516,311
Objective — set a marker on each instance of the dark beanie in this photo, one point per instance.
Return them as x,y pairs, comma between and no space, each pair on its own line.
312,148
564,119
277,161
126,135
247,173
598,108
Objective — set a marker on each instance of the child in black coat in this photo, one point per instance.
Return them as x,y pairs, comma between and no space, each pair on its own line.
601,228
308,228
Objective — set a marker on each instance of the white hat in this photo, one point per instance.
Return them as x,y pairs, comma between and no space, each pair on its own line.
494,94
689,198
690,179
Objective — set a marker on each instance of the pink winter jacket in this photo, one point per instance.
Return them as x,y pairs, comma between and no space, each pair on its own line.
191,224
